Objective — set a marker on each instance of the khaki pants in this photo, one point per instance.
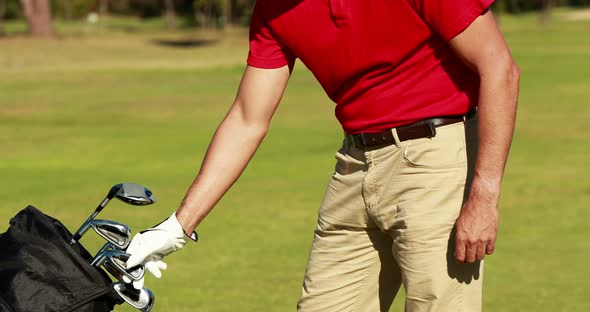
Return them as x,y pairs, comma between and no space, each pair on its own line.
387,220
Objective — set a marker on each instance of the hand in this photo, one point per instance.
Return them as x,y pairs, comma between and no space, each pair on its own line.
153,266
149,247
476,230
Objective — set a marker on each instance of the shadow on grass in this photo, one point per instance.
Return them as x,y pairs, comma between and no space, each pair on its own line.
123,28
183,43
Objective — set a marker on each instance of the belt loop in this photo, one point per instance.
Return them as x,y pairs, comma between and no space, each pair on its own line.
396,137
348,140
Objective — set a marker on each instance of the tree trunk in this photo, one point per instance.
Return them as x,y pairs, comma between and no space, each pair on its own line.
170,14
209,14
68,9
38,15
2,12
546,14
227,11
103,8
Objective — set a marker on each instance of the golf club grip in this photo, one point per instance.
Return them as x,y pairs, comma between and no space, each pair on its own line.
75,238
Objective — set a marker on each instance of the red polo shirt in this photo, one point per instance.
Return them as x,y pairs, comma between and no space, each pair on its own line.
385,63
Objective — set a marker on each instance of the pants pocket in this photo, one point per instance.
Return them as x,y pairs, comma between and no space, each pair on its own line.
446,150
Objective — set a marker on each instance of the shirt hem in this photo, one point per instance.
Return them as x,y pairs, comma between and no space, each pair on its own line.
266,63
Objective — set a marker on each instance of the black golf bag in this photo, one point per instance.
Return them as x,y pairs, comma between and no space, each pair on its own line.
41,272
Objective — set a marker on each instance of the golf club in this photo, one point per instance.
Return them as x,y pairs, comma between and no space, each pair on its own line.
131,193
105,247
141,299
114,232
117,272
117,259
113,270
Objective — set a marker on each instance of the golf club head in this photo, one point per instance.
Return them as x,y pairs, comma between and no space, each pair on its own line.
134,194
141,299
117,259
113,232
114,271
121,274
105,247
134,274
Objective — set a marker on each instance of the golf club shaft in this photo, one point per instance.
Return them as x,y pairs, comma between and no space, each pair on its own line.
84,226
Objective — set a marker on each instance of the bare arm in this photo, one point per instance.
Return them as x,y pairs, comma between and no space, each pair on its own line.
234,142
483,48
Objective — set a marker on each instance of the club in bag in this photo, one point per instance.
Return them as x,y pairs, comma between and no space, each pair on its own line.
141,299
117,272
131,193
105,247
118,259
113,270
113,232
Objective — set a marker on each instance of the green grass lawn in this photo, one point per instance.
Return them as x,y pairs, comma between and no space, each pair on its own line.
97,107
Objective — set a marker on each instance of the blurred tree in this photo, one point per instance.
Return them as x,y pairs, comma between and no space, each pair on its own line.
2,13
68,9
512,6
498,8
120,7
207,12
546,11
578,2
103,8
147,8
170,14
73,9
13,9
239,11
519,6
227,5
243,11
38,16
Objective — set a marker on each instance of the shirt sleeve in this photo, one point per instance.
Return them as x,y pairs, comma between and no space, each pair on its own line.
449,18
265,49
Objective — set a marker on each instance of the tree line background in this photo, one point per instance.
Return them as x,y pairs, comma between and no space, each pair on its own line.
186,13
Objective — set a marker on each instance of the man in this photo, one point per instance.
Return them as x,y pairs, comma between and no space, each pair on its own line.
413,202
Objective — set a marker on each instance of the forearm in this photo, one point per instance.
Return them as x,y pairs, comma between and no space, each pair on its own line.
482,47
234,142
496,121
231,148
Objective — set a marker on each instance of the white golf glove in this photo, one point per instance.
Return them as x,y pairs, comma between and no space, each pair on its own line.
150,246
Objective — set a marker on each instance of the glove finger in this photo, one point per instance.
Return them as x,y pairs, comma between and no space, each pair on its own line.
134,249
126,279
139,283
162,265
136,259
153,267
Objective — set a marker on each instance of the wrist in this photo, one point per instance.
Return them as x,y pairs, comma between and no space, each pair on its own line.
488,183
182,222
485,190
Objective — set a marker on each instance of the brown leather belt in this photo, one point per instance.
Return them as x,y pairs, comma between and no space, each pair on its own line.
422,129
